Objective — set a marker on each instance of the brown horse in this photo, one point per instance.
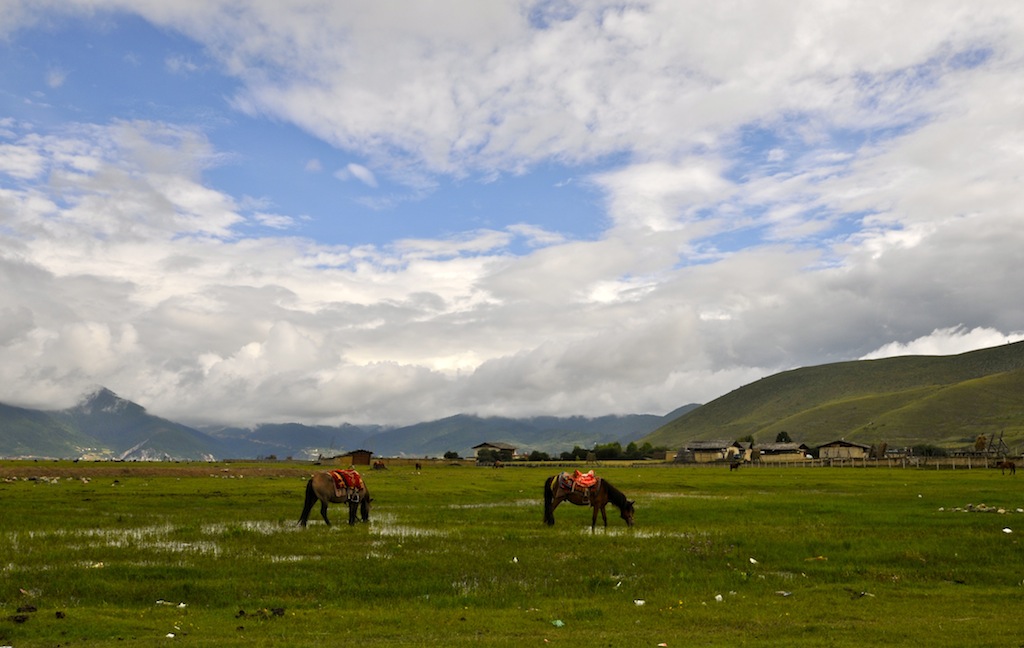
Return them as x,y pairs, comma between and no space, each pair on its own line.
559,488
352,491
1005,465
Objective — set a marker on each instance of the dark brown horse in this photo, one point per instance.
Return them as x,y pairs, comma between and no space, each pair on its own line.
1005,465
350,490
559,488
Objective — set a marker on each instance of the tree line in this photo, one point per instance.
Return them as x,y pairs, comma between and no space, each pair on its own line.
600,452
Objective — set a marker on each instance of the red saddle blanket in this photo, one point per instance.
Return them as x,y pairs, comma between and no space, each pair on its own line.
584,480
578,480
347,479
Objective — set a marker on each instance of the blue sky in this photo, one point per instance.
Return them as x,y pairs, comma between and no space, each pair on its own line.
312,212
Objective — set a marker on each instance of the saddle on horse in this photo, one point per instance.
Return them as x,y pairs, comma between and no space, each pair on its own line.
584,483
347,483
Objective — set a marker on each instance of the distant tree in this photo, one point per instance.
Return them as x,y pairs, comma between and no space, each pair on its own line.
928,450
607,451
632,451
537,455
451,454
783,437
746,439
577,454
980,443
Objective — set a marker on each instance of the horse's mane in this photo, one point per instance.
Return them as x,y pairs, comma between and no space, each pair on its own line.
615,496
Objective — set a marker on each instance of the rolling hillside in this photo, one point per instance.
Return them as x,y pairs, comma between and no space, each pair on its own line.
941,400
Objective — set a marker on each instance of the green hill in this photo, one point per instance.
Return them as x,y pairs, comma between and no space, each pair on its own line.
940,400
26,432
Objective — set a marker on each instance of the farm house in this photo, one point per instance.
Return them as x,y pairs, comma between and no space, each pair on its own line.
780,452
496,446
710,451
356,457
843,449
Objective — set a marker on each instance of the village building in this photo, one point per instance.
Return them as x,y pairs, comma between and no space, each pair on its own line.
354,458
502,448
781,452
843,449
711,451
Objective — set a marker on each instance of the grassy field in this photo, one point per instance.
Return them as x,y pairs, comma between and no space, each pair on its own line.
209,555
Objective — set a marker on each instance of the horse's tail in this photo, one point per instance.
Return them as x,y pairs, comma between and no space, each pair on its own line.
310,501
549,497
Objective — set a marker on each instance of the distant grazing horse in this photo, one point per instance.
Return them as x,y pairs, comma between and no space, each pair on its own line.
1005,465
337,487
563,487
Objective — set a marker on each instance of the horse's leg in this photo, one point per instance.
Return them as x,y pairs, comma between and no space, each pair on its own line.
593,520
549,512
364,508
323,511
604,516
352,508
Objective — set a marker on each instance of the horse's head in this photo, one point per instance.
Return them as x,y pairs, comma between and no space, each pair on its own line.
627,513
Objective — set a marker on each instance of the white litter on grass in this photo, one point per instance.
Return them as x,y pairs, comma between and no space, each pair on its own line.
753,562
718,597
639,602
1007,530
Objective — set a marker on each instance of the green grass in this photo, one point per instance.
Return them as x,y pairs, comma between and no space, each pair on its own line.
458,555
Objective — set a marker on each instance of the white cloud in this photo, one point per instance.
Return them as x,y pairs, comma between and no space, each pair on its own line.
56,77
360,173
840,183
276,221
948,341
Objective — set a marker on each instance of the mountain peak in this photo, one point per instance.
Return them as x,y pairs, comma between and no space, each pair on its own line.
102,400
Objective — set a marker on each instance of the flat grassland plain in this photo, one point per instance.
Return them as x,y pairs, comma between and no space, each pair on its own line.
210,555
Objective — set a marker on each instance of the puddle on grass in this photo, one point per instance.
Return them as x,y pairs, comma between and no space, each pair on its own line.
642,534
292,559
517,503
683,496
386,526
263,527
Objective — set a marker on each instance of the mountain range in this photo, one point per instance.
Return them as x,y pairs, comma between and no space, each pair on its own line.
947,401
106,426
